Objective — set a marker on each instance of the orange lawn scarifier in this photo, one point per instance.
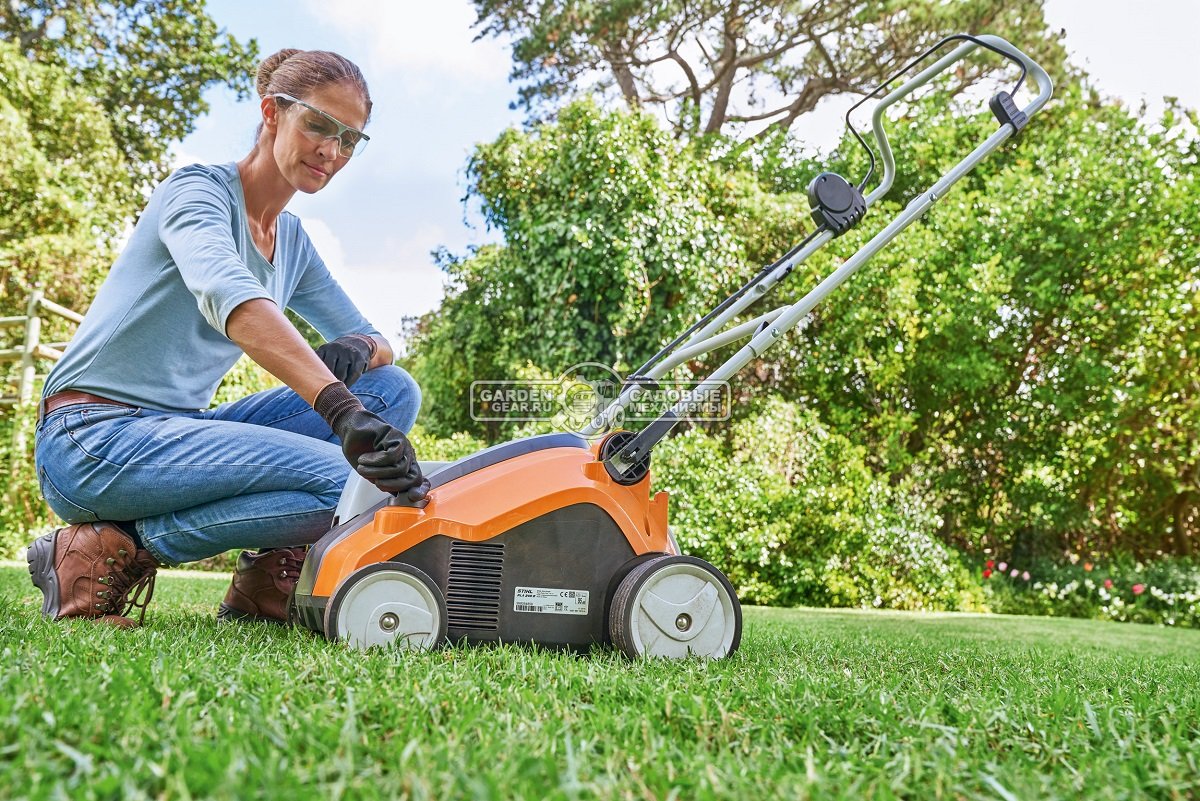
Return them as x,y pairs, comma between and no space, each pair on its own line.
557,540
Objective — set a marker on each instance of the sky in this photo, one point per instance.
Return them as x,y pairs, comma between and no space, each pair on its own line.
437,93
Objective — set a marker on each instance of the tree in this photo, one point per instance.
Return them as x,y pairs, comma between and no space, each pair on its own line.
146,62
63,181
1026,352
718,67
615,236
61,207
1022,361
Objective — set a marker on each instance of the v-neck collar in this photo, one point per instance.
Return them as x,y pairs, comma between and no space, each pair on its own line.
237,178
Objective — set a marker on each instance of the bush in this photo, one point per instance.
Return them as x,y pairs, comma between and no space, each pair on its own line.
792,514
735,515
892,559
432,449
23,513
1166,591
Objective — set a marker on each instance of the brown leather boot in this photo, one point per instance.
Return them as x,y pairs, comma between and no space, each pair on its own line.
92,570
261,585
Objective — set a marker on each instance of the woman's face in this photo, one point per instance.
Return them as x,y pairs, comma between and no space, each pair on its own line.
306,163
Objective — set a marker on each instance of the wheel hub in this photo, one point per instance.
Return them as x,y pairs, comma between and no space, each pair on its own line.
388,603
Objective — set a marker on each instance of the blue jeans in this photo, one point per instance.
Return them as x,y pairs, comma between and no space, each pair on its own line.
261,472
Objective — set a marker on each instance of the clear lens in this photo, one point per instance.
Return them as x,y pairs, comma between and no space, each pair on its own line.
319,127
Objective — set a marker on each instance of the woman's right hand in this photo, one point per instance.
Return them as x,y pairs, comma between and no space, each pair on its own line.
377,450
380,453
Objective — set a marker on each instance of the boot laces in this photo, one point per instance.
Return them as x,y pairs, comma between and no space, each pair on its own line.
291,562
133,587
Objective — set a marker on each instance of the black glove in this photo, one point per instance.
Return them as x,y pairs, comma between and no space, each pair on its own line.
348,357
376,450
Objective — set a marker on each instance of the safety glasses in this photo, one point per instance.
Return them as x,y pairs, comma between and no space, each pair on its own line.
319,126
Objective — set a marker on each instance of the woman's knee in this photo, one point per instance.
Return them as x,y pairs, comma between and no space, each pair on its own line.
392,393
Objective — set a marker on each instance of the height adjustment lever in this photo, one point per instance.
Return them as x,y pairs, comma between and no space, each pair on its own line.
836,203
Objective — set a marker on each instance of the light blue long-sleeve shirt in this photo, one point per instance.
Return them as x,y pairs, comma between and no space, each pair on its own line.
155,334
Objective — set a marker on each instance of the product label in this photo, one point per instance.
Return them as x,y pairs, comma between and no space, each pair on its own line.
548,601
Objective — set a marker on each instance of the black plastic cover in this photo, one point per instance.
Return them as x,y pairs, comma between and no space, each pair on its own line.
613,446
572,550
503,452
836,203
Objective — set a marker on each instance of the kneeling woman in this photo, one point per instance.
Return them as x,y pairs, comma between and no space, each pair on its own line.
128,451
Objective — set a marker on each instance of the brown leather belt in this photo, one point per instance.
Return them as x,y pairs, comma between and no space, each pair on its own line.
71,397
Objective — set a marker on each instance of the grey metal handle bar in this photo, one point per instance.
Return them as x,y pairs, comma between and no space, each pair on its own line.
821,238
786,319
1045,87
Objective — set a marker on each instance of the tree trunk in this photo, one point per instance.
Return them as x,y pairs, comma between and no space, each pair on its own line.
618,60
728,70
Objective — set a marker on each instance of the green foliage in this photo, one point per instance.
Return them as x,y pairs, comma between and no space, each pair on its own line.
23,512
466,340
613,232
452,448
245,378
609,225
791,512
1024,350
892,558
147,63
1012,372
61,205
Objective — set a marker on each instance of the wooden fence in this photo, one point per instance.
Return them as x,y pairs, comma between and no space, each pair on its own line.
33,348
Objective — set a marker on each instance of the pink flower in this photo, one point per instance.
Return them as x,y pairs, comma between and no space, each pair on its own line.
1138,589
1003,566
1108,584
1013,574
1025,575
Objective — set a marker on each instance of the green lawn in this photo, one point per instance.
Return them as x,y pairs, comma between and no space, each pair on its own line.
823,704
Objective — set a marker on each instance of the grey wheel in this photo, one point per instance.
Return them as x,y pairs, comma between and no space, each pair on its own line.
387,603
676,606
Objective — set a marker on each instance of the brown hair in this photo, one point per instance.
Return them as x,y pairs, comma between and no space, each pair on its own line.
298,72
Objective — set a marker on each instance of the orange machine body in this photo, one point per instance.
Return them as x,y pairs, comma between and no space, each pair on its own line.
559,502
493,500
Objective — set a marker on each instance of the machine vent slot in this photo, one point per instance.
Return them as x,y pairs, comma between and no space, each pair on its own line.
473,585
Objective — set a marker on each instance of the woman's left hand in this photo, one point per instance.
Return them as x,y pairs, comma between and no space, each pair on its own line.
347,357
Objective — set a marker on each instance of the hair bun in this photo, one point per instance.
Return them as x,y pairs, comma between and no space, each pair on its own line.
268,67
